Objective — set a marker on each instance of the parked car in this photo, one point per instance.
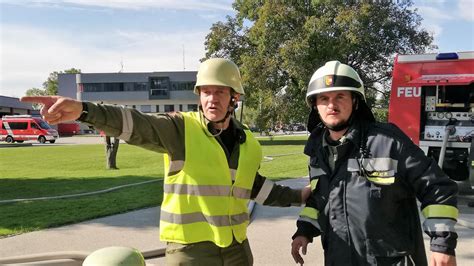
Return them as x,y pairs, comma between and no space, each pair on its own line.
296,127
18,128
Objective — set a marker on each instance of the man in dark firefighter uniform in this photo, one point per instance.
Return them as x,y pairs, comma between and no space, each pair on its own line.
365,179
211,163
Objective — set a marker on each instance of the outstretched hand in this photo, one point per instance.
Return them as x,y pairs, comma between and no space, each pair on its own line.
56,109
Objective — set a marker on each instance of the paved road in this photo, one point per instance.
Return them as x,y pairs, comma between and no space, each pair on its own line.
269,235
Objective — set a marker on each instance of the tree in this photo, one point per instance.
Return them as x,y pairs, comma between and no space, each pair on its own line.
36,92
50,86
279,44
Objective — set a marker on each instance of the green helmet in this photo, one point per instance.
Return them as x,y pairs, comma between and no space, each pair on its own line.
220,72
334,76
115,256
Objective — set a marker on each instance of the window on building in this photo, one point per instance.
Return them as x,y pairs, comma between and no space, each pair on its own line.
92,87
159,86
116,86
139,86
128,86
169,108
146,108
134,106
192,107
183,85
180,107
157,108
190,85
134,86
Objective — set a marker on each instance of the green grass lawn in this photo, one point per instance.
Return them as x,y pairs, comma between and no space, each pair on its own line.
39,171
288,160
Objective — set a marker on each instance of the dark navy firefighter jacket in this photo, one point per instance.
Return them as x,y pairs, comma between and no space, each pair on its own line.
366,209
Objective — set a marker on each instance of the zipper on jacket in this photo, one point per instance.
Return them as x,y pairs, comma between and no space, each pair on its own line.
344,204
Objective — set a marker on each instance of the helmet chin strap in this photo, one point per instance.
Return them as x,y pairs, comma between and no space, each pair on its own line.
230,109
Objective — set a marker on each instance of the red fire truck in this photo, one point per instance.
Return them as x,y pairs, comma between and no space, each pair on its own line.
69,128
432,101
18,128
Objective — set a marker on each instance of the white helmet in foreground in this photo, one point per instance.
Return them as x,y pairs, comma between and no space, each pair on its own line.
336,76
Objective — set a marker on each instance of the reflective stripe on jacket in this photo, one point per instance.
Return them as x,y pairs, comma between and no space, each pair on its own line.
202,202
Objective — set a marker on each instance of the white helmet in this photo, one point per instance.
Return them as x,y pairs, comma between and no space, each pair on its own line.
334,76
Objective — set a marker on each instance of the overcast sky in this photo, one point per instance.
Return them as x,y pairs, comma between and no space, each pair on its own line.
38,37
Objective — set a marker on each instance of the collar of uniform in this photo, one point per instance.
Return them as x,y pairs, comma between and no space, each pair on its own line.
326,141
354,132
318,138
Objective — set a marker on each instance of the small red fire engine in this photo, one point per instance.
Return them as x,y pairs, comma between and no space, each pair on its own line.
432,101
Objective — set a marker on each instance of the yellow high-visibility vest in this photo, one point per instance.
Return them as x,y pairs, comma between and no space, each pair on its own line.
200,202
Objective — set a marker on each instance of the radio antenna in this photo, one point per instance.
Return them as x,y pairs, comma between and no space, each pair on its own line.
184,60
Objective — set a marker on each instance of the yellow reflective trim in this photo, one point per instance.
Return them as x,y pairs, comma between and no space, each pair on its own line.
310,213
439,210
382,180
472,163
314,182
379,174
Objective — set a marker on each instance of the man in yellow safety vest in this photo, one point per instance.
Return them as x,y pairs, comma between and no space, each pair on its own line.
211,165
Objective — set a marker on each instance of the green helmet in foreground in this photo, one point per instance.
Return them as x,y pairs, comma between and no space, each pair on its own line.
115,256
334,76
220,72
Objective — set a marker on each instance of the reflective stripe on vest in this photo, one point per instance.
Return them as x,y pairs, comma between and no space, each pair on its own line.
206,190
217,220
200,201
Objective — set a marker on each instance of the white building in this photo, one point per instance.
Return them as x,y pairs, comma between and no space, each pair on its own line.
150,92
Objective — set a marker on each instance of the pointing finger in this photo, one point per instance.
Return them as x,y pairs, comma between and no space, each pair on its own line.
46,100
